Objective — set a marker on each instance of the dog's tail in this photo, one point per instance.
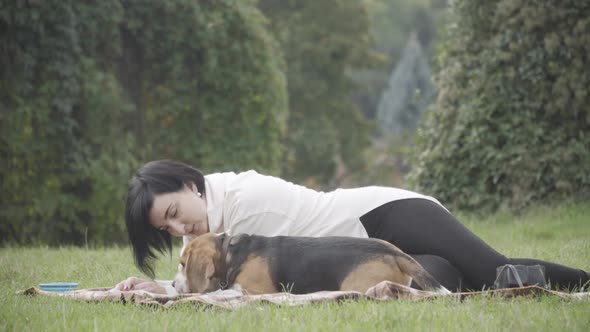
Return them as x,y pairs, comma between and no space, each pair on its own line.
411,267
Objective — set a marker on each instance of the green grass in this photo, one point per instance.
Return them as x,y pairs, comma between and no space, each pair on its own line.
559,234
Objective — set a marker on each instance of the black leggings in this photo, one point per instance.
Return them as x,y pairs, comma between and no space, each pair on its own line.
455,256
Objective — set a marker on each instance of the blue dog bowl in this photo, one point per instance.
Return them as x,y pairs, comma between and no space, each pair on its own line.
58,286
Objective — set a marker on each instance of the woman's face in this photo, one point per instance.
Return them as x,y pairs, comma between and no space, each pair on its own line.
181,213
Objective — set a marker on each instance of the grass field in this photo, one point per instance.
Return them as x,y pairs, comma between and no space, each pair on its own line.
559,234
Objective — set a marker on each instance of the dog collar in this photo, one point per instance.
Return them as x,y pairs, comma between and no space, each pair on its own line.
222,262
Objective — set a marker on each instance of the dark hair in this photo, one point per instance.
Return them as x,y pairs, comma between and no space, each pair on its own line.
153,178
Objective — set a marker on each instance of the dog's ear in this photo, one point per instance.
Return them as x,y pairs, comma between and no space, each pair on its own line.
191,270
209,268
199,271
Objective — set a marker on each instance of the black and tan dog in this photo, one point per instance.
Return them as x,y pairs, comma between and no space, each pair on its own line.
258,265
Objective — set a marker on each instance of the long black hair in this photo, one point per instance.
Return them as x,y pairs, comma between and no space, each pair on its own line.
153,178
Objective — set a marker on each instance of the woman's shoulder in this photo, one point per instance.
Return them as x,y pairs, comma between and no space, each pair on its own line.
253,188
234,176
250,184
253,182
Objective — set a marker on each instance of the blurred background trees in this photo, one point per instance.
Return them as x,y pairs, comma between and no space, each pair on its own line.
322,41
397,89
323,93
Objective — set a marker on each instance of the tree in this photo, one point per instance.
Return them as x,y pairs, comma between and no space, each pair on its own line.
90,92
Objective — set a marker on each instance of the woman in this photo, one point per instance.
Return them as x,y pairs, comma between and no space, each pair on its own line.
171,198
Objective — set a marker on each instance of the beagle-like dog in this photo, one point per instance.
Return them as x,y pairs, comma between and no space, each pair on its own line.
258,265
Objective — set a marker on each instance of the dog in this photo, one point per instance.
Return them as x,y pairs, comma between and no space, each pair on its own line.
259,265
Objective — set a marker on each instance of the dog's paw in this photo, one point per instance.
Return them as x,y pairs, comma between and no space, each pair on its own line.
235,291
443,290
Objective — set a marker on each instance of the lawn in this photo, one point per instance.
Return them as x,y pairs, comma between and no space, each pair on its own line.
560,234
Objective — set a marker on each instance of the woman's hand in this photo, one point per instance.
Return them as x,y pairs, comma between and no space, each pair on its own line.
133,283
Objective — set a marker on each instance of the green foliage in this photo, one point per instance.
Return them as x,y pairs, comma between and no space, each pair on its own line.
392,21
90,92
219,100
321,42
511,124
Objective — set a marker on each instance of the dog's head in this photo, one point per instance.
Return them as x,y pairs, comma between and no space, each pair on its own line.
197,271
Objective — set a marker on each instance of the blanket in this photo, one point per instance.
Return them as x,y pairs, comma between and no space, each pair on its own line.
233,299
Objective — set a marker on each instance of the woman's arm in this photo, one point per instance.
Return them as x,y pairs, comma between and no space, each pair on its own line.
166,285
153,286
157,286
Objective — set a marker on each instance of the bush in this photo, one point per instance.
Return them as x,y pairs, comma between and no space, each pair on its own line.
511,124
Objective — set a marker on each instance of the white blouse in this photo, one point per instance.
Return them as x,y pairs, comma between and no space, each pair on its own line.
259,204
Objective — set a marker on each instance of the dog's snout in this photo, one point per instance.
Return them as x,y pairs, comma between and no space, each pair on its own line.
173,283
